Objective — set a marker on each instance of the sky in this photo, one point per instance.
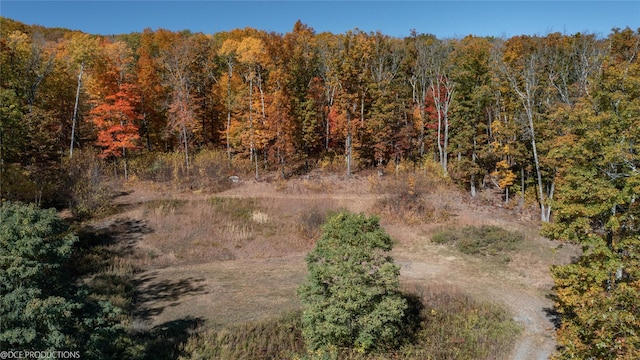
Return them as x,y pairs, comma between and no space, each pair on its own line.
445,19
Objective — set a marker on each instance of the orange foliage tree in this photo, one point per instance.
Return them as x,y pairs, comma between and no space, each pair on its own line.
116,119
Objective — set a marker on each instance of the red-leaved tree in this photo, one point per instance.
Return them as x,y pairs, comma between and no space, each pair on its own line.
116,120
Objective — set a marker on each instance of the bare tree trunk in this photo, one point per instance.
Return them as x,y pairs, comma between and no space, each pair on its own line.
253,153
229,109
473,185
530,82
522,185
330,96
435,92
75,111
348,147
186,146
126,164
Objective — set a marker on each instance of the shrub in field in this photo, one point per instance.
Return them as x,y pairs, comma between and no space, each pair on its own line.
485,240
351,297
89,185
311,222
403,197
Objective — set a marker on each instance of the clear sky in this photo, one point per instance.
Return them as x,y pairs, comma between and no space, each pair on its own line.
395,18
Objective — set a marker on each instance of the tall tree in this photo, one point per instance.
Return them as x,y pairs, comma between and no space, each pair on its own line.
302,63
116,119
473,110
81,52
418,78
440,94
116,114
153,93
176,57
597,206
252,53
385,116
522,65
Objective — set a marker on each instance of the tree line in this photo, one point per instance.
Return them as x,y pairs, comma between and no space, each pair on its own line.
485,109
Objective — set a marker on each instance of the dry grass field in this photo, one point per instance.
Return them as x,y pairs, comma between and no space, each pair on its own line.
238,255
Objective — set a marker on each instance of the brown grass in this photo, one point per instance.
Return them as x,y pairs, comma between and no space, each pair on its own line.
411,198
448,325
237,256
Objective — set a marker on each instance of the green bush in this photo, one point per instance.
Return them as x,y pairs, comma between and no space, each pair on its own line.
351,297
486,240
35,306
41,305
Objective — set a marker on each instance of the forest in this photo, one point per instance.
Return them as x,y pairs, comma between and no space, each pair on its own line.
552,121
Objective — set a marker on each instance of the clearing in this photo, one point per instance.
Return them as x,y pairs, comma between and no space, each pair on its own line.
238,255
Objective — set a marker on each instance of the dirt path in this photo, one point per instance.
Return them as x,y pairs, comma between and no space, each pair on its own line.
527,307
249,289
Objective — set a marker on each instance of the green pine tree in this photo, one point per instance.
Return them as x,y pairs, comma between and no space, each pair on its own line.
351,297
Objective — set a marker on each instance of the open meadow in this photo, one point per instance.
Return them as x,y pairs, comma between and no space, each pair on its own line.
200,262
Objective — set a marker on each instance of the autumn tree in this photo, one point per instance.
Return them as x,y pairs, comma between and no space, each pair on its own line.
522,65
80,51
153,93
252,54
386,124
302,63
346,66
473,110
279,129
597,207
176,56
418,78
31,127
116,119
116,114
440,94
10,135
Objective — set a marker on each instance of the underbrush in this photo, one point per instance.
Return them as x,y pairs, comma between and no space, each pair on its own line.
91,185
403,198
310,223
450,325
486,240
208,170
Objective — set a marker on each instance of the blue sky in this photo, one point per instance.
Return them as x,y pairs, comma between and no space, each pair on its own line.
395,18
